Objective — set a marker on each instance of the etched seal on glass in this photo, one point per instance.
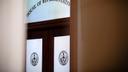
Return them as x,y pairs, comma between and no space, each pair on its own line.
34,58
63,58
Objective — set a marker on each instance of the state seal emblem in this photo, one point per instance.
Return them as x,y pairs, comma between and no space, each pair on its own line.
34,58
63,58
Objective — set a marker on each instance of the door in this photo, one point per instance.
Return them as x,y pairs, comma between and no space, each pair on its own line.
49,21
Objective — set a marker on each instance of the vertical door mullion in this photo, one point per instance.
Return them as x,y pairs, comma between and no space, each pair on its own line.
48,63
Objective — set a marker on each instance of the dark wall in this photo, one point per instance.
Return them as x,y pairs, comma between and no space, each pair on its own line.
103,36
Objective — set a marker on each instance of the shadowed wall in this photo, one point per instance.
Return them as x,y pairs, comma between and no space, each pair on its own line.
102,36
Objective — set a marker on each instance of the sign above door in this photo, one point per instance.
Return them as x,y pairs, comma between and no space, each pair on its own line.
43,10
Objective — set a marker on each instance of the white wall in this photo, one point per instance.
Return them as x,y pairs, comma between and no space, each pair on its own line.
12,36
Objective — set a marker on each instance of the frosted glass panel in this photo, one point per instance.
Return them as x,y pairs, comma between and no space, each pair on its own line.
62,54
34,55
41,10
